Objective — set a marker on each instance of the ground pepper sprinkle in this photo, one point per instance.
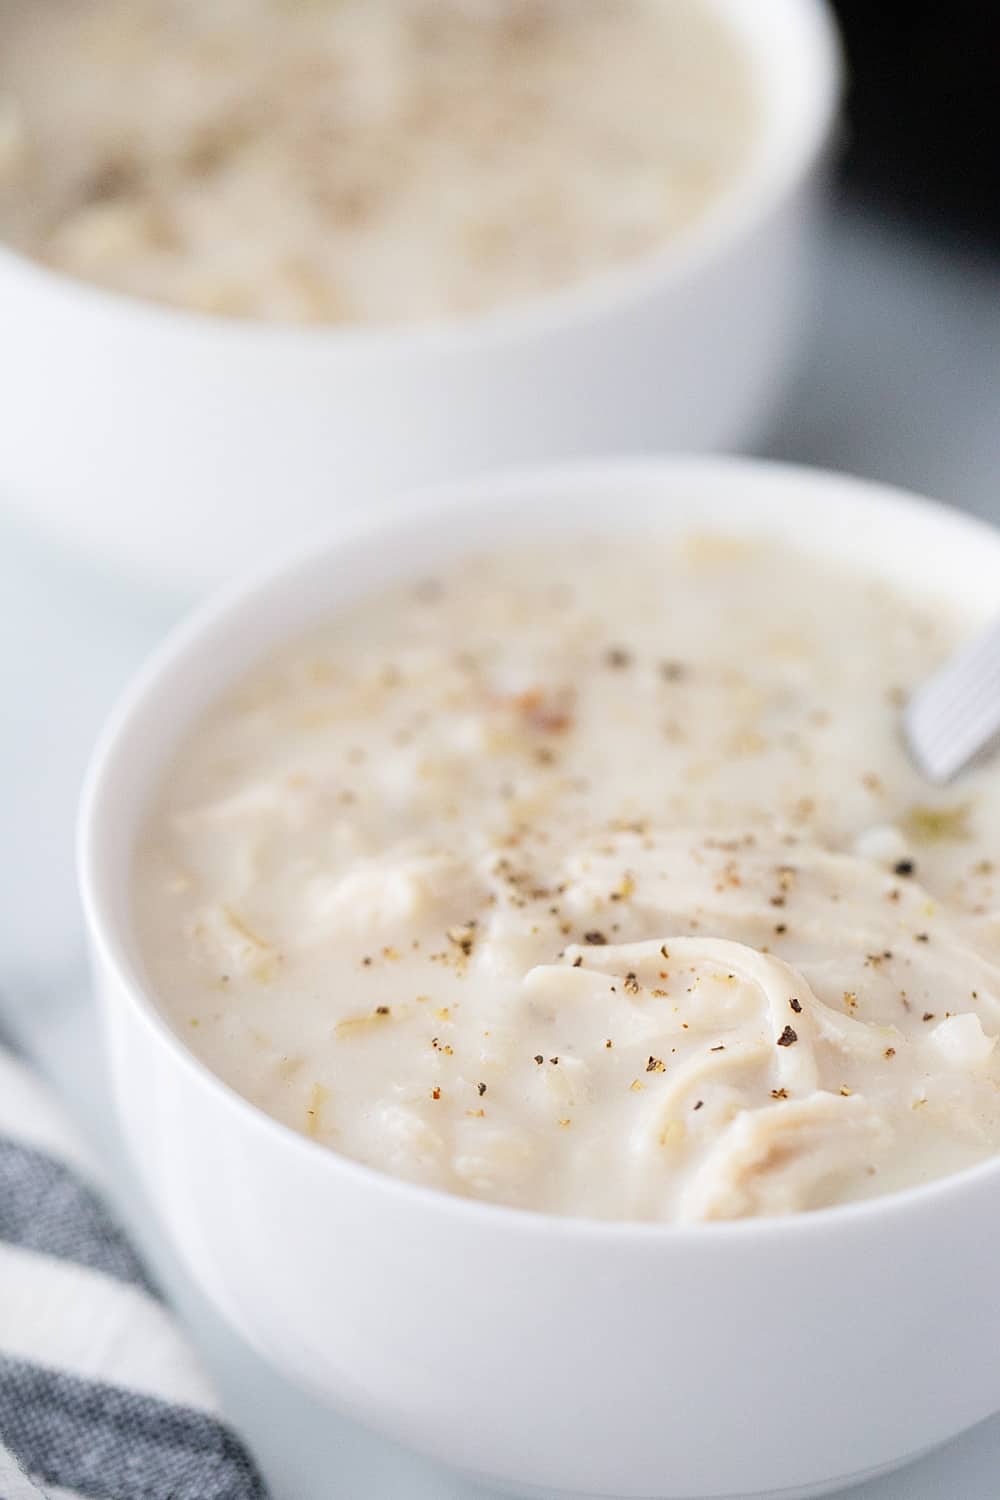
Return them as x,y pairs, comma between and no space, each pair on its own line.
671,671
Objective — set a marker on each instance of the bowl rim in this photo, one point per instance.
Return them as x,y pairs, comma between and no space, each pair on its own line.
758,189
111,960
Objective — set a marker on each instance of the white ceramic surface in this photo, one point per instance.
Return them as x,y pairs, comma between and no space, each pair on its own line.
185,447
781,1357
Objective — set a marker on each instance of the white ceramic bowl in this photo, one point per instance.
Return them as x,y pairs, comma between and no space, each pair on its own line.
186,447
572,1357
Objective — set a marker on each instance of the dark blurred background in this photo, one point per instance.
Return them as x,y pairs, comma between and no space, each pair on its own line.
923,109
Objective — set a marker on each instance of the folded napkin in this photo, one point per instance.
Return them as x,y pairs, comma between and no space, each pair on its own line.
101,1395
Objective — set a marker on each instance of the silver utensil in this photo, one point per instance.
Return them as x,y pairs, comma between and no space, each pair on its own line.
955,715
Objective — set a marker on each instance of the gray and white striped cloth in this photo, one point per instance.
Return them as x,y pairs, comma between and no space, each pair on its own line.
101,1395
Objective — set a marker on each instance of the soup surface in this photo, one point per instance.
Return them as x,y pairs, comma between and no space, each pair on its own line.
361,160
594,878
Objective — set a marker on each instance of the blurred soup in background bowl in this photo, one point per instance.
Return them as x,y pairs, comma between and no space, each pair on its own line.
262,268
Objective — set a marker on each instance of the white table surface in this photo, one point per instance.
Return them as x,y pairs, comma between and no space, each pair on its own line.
900,380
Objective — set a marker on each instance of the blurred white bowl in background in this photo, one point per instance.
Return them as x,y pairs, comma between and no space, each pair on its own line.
185,447
761,1358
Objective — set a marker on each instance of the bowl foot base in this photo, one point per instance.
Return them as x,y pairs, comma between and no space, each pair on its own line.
844,1482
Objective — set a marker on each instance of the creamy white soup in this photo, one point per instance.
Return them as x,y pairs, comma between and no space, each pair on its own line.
362,160
593,878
